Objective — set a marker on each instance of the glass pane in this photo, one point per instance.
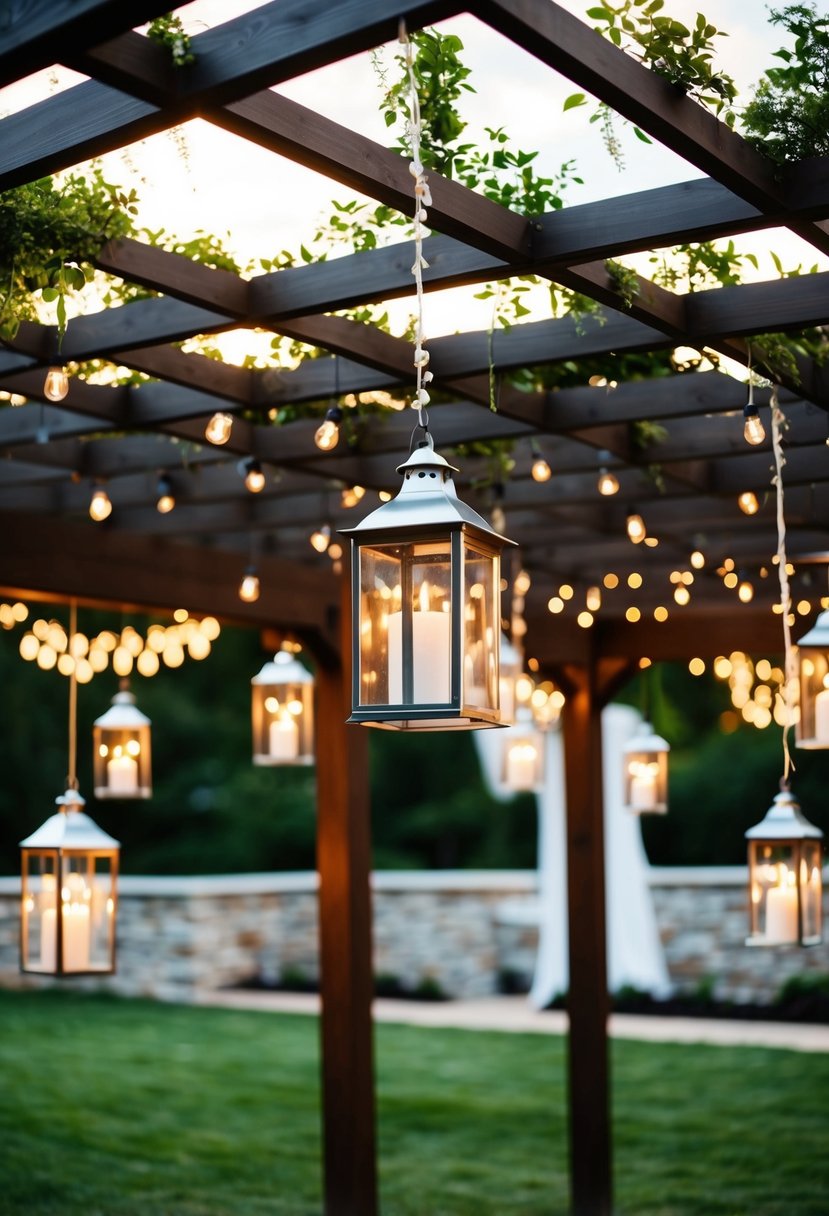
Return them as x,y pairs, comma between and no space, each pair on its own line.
481,630
774,893
102,934
76,912
431,602
811,889
40,902
814,696
380,597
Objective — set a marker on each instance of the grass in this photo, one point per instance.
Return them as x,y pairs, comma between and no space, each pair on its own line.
128,1108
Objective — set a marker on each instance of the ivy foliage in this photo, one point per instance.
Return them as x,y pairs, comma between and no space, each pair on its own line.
49,235
788,119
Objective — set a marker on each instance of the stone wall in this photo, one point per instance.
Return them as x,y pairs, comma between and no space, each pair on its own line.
462,932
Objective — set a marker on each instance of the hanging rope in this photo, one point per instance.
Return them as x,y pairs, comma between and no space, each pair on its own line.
790,663
72,776
422,200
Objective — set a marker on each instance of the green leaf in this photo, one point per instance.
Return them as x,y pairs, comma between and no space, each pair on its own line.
575,99
641,135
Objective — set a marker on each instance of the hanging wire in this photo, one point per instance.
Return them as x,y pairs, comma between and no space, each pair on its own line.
423,199
790,663
72,776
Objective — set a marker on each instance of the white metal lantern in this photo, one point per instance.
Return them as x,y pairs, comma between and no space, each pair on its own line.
645,759
426,577
122,761
522,765
784,877
69,895
813,655
282,708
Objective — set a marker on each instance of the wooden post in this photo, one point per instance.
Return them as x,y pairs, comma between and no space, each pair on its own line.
588,1006
344,864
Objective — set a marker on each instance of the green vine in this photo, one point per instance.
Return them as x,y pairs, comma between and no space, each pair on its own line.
625,282
168,31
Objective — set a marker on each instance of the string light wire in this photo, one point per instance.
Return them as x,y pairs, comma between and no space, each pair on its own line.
778,423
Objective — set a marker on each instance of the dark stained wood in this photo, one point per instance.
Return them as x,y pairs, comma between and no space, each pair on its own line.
344,864
587,1001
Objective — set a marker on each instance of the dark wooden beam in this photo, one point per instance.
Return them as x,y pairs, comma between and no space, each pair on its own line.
344,864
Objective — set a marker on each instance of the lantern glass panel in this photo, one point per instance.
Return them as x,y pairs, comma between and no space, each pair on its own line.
481,644
773,883
405,624
646,781
811,890
813,725
523,764
39,912
283,719
122,762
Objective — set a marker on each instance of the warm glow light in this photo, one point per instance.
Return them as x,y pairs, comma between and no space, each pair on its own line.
660,613
523,582
351,496
218,429
753,429
585,619
566,591
804,607
682,595
593,599
121,661
335,551
697,559
56,384
147,663
321,539
555,605
29,646
248,589
745,592
748,503
636,530
46,658
100,507
611,581
696,667
634,580
254,477
633,614
541,471
210,628
166,499
731,580
327,435
608,483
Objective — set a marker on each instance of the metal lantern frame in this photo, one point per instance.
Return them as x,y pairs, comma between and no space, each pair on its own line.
785,879
645,774
282,712
522,755
812,728
435,643
122,751
69,895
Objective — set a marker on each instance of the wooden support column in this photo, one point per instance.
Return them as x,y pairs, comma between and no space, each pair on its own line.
344,864
588,1005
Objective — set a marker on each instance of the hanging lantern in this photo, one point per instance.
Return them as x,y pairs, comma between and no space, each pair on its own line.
122,755
510,669
813,654
522,765
784,877
282,706
646,772
68,897
426,577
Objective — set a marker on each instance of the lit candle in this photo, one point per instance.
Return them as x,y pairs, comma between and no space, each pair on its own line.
75,937
822,714
642,787
283,738
122,774
781,910
48,920
431,638
521,766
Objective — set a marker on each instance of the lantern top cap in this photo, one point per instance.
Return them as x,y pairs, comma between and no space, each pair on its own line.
283,668
70,828
646,740
427,499
818,635
122,714
784,821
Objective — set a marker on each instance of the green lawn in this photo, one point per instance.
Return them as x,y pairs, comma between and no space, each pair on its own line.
127,1108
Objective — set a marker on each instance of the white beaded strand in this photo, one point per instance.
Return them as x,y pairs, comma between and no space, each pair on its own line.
423,199
778,422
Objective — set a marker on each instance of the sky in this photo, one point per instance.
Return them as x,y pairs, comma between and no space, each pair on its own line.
260,204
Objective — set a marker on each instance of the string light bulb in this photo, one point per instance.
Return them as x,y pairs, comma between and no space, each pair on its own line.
56,384
100,507
753,430
541,470
321,539
218,429
254,477
748,503
166,499
636,529
249,586
327,434
608,483
352,495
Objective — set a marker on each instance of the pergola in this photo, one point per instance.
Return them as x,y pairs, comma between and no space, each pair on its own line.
566,532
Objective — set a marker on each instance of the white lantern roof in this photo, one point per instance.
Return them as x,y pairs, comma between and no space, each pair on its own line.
784,821
70,828
818,635
123,714
426,499
646,740
284,668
